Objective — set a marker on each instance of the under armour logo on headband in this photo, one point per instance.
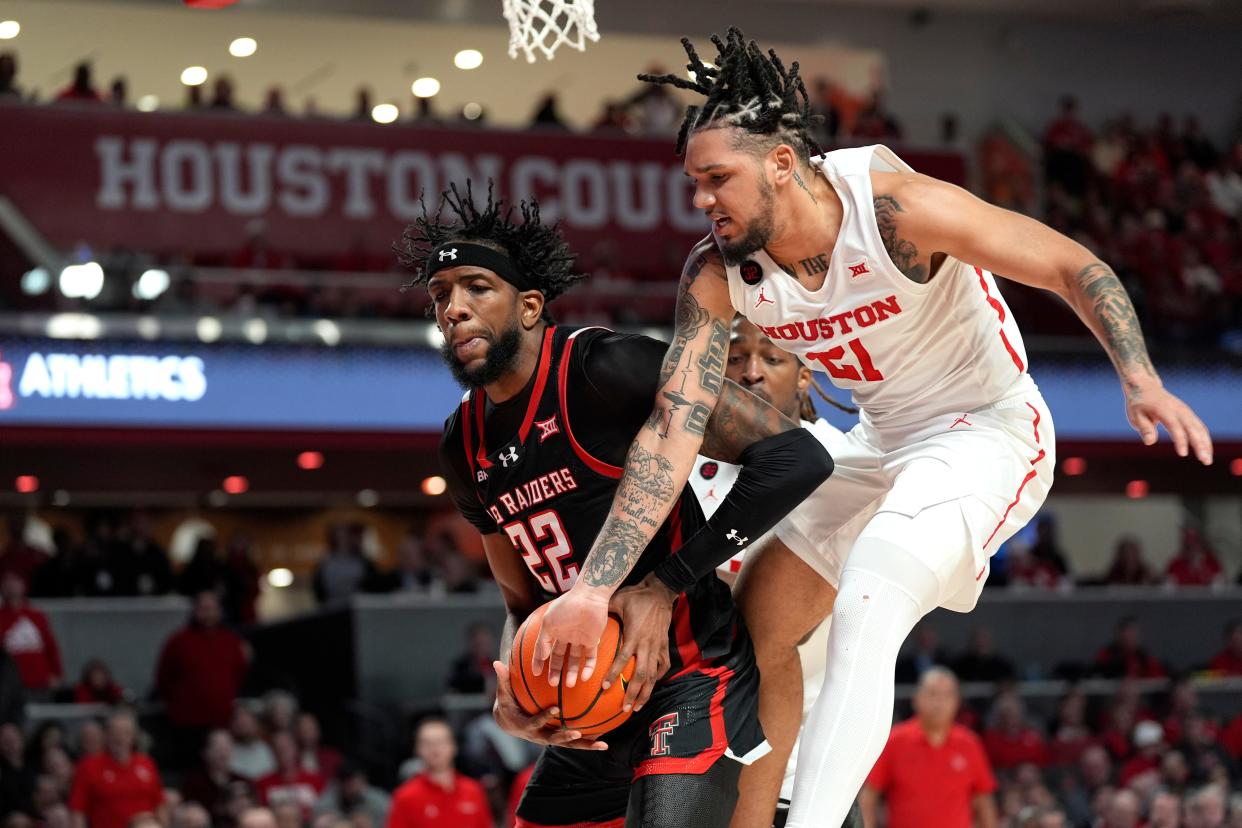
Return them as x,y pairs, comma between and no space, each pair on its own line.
448,254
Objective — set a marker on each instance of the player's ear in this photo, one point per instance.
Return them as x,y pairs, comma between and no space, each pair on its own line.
532,308
783,163
804,379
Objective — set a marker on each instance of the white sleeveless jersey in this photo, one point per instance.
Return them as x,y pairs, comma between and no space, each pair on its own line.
906,351
712,480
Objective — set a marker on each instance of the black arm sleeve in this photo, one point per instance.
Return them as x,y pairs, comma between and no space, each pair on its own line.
778,473
461,488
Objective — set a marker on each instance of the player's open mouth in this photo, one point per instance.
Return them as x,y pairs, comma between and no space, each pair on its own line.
721,223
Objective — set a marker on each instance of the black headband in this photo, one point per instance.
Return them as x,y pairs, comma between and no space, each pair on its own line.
459,254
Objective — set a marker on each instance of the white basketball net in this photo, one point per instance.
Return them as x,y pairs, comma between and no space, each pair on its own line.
544,25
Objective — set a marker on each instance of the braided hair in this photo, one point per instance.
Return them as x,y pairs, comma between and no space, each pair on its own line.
537,250
807,405
749,90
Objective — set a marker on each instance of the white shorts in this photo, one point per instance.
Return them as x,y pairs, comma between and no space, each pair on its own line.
996,462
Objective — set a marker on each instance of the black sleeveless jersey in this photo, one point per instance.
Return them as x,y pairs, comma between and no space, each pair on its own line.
549,496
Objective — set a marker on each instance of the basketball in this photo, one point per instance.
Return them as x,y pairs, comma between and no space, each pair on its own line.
585,707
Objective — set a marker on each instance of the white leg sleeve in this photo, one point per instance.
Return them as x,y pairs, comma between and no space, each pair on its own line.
885,589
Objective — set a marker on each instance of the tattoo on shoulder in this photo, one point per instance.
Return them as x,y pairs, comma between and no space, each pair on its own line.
902,251
1113,308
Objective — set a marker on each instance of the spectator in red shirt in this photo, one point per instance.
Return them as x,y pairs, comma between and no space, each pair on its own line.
1125,657
1071,736
199,674
289,784
1194,564
1129,568
316,757
210,785
1149,746
17,555
515,795
1228,662
439,797
96,685
112,787
28,636
933,772
82,88
1011,741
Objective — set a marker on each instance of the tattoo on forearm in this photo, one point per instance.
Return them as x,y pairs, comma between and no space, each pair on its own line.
740,419
621,542
646,487
802,184
1112,307
903,252
712,363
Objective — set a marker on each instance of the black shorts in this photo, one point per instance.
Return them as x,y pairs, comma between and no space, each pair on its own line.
707,711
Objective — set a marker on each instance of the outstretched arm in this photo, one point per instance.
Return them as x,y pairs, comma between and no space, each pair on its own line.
927,216
656,468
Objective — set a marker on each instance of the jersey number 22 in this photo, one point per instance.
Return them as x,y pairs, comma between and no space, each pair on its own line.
551,562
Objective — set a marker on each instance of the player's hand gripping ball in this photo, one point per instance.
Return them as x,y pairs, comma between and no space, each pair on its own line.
585,707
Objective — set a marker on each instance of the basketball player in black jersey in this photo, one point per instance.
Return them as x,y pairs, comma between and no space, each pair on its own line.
532,458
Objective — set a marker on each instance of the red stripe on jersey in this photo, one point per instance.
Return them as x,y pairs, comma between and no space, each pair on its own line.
708,756
1018,496
598,466
541,380
479,405
674,525
687,646
1029,477
1000,313
619,822
465,431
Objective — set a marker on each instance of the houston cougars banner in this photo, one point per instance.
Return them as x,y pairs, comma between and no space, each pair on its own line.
187,182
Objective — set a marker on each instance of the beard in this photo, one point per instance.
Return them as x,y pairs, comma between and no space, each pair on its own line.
501,355
758,234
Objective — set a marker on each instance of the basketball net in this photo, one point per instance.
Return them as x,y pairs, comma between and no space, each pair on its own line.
544,25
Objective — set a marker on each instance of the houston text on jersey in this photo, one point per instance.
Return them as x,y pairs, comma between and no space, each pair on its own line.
864,316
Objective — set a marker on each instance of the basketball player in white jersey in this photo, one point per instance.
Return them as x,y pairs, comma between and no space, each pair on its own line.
779,378
882,279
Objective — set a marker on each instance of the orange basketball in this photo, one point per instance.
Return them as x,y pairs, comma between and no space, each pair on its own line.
585,707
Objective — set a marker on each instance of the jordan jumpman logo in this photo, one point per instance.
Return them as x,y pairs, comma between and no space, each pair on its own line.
763,299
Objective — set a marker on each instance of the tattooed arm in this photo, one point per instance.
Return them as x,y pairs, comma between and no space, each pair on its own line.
656,467
921,218
662,455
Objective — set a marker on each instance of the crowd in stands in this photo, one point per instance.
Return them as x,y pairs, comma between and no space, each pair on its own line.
213,758
1163,205
1035,560
1130,761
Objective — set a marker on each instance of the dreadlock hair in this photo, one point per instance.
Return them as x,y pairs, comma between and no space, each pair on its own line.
749,90
808,412
537,250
